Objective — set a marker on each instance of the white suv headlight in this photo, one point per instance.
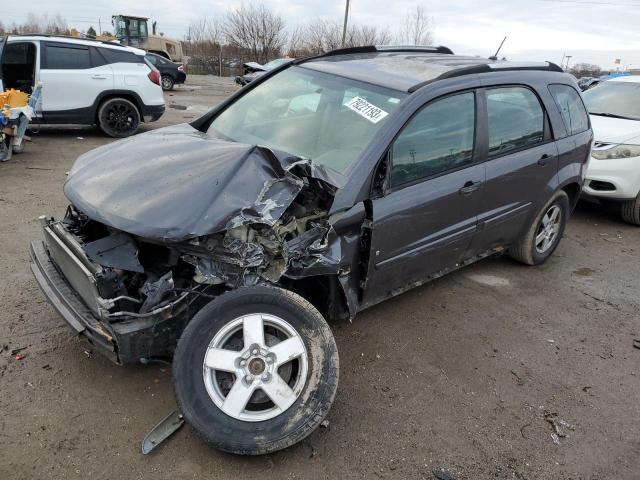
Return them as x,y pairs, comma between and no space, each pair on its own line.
619,151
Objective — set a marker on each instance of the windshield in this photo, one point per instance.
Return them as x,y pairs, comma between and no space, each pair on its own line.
310,114
617,99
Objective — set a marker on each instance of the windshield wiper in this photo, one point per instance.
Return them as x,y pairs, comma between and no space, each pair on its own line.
613,115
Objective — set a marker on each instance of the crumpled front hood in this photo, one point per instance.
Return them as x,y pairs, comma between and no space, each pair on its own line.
177,183
615,130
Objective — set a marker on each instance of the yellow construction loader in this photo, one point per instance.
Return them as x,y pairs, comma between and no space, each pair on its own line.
133,31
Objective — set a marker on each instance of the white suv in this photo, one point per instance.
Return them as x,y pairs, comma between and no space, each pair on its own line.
83,81
614,169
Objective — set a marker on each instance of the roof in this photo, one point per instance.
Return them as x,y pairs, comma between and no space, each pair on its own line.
406,69
76,40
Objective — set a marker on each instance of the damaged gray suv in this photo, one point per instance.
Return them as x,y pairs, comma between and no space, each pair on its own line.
324,187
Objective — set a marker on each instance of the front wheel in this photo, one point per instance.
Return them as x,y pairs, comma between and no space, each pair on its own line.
256,370
544,234
118,117
630,211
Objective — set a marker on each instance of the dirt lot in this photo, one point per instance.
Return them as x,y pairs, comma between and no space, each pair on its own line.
465,375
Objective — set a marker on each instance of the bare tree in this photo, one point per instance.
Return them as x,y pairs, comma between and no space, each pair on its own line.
256,29
204,44
323,35
416,28
53,25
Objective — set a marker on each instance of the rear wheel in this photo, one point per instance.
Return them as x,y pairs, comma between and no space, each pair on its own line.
167,82
256,370
118,117
630,211
544,234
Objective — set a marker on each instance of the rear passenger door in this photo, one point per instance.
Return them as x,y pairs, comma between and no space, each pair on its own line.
73,76
424,223
521,166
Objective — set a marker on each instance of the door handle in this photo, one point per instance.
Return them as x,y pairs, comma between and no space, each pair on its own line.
544,159
98,77
469,187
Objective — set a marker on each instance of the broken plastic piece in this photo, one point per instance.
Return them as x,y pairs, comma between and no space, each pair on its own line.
163,430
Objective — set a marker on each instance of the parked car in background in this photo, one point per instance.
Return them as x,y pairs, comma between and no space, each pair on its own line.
253,70
586,83
171,73
332,184
83,81
614,171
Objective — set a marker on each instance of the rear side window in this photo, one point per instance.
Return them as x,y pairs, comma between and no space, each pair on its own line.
571,108
120,56
437,139
516,120
60,57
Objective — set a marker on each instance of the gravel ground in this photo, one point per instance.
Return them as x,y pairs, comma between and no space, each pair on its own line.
465,376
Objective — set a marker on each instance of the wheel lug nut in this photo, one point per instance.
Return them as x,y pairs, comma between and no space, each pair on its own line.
248,379
254,351
265,378
243,363
269,360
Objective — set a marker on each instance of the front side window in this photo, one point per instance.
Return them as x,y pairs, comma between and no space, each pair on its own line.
516,120
310,114
437,139
618,99
67,58
571,108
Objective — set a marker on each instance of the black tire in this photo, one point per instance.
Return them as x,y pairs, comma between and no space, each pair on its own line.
312,404
167,82
526,249
118,117
630,211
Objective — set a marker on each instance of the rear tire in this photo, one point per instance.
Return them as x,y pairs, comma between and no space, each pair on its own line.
118,117
630,211
544,234
167,82
239,387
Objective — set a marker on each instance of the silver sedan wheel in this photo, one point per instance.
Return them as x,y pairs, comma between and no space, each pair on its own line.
549,229
255,367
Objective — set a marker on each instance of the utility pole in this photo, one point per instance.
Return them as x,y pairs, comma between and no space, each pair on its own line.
344,27
99,27
568,57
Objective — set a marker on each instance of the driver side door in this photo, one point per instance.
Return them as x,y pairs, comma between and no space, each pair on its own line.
424,223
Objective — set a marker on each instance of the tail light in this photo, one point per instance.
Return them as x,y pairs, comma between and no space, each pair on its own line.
154,76
180,68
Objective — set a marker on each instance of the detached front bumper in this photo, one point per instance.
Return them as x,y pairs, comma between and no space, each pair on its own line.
127,339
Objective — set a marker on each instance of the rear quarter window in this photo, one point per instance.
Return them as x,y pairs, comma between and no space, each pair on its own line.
120,56
574,115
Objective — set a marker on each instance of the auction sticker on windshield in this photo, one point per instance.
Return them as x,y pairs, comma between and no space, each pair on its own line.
365,109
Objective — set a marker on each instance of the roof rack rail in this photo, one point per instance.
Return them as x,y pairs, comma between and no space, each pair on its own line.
68,37
387,48
492,67
415,48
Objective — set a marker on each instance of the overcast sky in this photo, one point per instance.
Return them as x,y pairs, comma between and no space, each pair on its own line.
593,31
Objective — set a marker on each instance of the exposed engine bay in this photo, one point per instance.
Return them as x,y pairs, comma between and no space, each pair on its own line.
146,275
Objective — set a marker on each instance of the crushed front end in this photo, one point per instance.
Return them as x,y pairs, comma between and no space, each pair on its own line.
129,315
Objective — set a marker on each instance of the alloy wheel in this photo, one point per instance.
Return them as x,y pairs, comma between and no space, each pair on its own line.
549,229
255,367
